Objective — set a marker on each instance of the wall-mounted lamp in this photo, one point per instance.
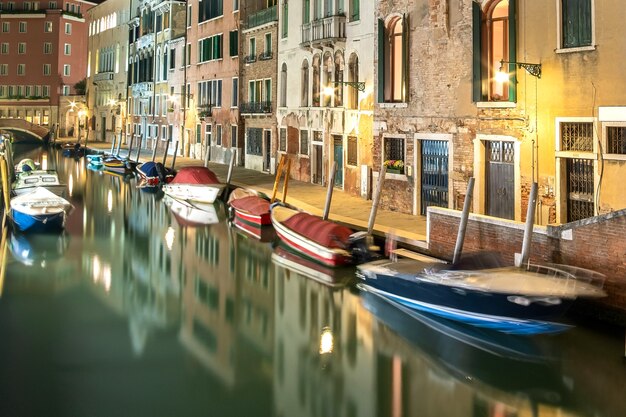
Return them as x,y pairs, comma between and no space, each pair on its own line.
532,69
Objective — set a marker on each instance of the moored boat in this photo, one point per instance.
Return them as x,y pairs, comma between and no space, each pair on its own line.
508,299
196,184
39,210
261,233
322,240
153,174
116,165
95,160
28,180
250,207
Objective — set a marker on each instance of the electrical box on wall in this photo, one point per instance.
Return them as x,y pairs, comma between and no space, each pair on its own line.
409,170
366,182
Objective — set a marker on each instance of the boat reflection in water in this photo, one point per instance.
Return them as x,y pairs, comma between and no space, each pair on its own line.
194,214
513,374
38,249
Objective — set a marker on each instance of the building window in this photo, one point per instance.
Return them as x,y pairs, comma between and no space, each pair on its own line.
22,27
494,41
235,97
285,20
210,48
616,140
68,28
46,69
254,144
394,149
393,48
21,48
21,69
352,151
52,5
210,93
6,27
251,50
316,81
4,69
67,50
47,47
304,92
283,85
4,48
218,135
47,27
45,91
207,133
235,5
304,142
353,76
233,136
577,27
233,43
267,52
66,70
66,90
282,140
576,136
210,9
355,10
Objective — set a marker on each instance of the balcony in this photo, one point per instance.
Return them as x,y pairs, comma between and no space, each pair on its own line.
256,107
324,32
143,89
249,59
146,41
102,77
205,110
262,17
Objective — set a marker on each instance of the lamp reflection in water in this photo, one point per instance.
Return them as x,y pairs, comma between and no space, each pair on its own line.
169,237
101,273
70,184
110,201
327,341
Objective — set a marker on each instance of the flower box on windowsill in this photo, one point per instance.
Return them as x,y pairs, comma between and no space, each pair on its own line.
395,171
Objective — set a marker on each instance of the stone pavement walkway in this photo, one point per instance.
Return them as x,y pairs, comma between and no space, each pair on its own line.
350,210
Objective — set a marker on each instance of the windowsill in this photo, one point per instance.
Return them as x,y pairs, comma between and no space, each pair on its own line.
303,155
578,49
614,157
495,104
576,154
396,177
393,105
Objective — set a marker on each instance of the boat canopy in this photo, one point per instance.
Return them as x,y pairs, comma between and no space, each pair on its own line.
195,175
323,232
252,204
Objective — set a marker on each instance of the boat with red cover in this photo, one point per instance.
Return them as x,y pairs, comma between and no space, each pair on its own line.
250,207
196,184
322,240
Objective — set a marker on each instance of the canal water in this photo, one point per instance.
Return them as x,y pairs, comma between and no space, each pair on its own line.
132,311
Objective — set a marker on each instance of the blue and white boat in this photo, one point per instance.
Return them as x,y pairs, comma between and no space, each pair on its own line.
95,160
39,211
508,299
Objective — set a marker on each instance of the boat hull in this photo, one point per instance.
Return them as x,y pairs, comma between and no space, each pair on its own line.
261,233
506,312
302,245
253,219
51,222
206,194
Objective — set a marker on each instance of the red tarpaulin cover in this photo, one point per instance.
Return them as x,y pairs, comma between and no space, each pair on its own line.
195,175
252,204
325,233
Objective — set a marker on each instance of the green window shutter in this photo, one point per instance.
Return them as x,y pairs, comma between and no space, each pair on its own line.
381,61
512,49
477,82
234,43
220,47
200,52
405,58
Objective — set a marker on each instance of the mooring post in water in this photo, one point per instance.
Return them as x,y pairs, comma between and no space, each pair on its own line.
528,230
329,192
113,145
154,151
377,193
167,148
231,164
119,145
173,156
460,237
130,146
138,150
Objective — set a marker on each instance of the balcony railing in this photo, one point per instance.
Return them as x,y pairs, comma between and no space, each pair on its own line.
255,107
262,17
103,76
249,59
205,110
323,31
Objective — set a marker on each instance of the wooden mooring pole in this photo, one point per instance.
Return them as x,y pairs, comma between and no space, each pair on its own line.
528,230
377,193
460,237
329,192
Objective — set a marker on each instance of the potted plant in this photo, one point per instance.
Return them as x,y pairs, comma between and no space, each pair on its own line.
394,166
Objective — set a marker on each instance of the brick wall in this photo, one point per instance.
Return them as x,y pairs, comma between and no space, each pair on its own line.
597,243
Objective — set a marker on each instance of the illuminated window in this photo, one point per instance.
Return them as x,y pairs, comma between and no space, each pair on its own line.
392,62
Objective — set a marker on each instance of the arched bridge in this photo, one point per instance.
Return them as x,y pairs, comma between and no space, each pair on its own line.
24,131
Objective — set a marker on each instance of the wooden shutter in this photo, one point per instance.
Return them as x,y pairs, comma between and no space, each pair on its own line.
512,49
477,90
381,61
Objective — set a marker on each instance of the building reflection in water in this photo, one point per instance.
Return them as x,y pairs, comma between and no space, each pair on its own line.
311,343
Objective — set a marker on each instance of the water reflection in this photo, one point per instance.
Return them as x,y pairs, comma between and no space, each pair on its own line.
204,319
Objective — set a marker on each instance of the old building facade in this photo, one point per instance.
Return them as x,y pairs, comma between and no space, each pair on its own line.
43,55
325,85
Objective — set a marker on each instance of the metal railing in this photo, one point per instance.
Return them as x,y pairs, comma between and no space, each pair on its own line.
262,17
325,29
256,107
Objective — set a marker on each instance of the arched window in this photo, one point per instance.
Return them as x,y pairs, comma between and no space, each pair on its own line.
353,76
283,85
304,93
158,64
339,64
392,68
494,41
316,81
328,86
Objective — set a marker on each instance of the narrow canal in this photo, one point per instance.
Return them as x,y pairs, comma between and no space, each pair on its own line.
133,312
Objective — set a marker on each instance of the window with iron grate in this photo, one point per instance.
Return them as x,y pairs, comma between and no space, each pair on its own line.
616,140
577,136
352,151
282,143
